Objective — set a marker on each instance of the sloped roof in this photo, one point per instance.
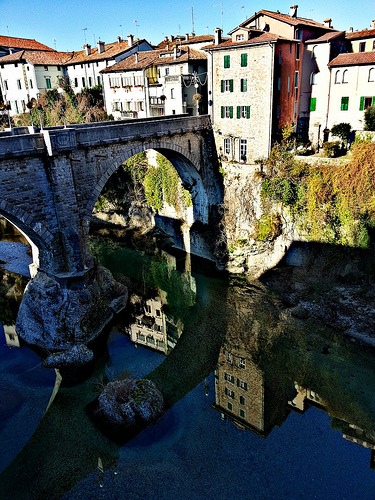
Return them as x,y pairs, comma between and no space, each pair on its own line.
286,18
357,35
157,57
111,50
22,43
42,57
183,40
265,37
353,59
327,37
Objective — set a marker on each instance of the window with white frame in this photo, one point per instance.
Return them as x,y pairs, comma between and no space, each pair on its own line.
345,76
338,76
19,84
229,392
242,362
243,152
48,82
371,75
227,146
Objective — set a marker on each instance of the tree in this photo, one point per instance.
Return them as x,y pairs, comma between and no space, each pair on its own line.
342,130
370,118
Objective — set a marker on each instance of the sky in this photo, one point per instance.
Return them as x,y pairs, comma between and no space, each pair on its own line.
68,24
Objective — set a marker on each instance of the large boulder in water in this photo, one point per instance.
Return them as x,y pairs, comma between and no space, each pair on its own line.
130,403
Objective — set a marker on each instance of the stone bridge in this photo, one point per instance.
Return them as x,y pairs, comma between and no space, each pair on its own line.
50,180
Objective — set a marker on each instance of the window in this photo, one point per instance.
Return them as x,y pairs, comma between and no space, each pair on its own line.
172,94
83,82
19,84
31,84
45,68
226,111
279,83
23,104
58,68
371,75
243,60
76,82
337,76
48,83
345,76
226,61
296,77
90,81
242,363
99,80
313,79
243,111
230,406
226,85
242,413
313,104
242,400
239,38
243,84
344,103
166,71
229,393
243,156
288,83
362,46
229,378
298,34
366,102
229,357
227,146
298,50
241,384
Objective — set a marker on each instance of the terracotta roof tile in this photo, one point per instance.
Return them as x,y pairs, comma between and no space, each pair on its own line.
353,59
111,50
327,37
263,38
157,57
356,35
22,43
294,21
180,39
37,57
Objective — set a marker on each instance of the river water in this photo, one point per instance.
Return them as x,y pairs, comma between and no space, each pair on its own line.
258,405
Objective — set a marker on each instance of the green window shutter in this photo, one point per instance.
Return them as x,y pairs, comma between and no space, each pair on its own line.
344,103
222,83
243,60
238,111
226,61
361,104
247,111
231,85
373,101
243,84
222,112
230,111
313,104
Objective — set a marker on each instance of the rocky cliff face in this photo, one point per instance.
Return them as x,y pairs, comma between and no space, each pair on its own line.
242,212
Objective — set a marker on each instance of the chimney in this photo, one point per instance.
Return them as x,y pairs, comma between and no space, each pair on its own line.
119,39
87,48
373,24
136,57
187,36
130,40
175,52
351,29
100,45
293,10
218,33
328,23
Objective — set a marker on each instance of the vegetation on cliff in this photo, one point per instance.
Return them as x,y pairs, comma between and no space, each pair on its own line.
329,203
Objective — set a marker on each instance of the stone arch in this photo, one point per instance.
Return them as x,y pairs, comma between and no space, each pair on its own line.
187,165
37,235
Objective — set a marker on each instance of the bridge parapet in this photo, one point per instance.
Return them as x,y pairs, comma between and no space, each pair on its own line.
12,146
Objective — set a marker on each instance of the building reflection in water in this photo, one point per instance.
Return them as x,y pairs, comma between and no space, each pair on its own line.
11,337
153,327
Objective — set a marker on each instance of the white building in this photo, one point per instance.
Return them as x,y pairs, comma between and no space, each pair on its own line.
155,83
27,73
84,67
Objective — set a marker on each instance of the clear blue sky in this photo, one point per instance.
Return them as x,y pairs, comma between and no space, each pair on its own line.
61,23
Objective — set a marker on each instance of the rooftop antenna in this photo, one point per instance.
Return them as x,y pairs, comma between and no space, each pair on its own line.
121,32
54,43
137,26
94,38
84,31
192,19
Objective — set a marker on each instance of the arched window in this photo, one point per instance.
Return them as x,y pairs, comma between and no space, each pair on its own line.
371,75
337,76
313,79
313,54
345,76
